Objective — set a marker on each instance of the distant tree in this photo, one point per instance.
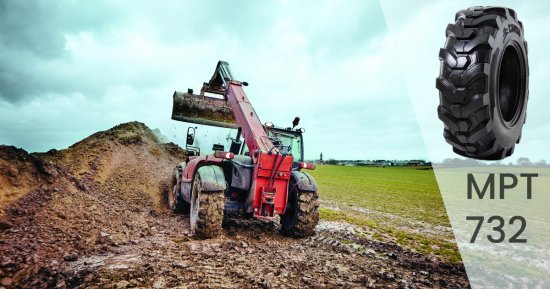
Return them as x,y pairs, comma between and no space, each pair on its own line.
331,162
524,162
541,163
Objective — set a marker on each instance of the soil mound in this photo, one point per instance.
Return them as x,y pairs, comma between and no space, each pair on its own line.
21,172
103,190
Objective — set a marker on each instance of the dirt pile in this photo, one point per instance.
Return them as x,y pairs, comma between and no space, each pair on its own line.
21,173
93,216
100,192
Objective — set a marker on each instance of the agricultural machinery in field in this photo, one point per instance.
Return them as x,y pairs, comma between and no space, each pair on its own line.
260,174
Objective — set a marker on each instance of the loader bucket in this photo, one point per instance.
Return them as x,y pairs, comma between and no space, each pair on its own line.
200,109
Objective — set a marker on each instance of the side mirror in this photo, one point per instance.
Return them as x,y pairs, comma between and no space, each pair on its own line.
190,136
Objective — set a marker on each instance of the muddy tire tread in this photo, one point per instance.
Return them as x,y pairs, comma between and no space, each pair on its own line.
301,222
210,217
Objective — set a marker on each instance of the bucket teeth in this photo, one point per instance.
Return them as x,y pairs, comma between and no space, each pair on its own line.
202,109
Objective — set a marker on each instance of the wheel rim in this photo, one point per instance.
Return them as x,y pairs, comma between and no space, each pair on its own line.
194,210
510,84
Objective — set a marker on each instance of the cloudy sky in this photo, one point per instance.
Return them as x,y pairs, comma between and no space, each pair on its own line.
360,74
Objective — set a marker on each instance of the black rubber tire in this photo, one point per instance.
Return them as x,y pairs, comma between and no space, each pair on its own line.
302,213
483,82
206,212
174,200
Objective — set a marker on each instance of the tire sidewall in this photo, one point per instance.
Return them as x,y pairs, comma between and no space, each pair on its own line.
507,133
172,197
290,217
195,204
173,191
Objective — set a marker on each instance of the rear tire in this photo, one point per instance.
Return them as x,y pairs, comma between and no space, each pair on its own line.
483,82
302,213
206,213
174,200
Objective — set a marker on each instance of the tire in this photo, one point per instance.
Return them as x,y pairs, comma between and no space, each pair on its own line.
174,200
206,213
483,82
302,213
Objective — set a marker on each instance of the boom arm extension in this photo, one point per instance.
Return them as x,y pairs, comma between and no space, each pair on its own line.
222,82
272,170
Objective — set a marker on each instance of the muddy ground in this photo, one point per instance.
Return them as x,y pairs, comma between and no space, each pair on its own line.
93,216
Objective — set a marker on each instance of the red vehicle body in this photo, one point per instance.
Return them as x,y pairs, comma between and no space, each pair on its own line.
260,180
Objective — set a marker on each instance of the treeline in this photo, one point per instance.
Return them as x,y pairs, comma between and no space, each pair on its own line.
521,162
376,163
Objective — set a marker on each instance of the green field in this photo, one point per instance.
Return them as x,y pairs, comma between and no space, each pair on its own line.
392,204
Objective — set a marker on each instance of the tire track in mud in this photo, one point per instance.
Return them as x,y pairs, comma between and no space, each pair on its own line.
245,256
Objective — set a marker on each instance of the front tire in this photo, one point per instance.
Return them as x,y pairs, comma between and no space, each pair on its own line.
483,82
302,213
206,213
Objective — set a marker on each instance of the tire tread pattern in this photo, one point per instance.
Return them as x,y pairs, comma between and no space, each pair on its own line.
210,217
302,215
463,83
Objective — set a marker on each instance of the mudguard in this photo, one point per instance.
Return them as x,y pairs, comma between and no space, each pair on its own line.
304,181
212,179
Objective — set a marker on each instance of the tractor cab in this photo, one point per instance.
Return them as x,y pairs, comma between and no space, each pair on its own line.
287,140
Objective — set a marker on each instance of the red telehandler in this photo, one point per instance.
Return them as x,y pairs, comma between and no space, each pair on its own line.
260,176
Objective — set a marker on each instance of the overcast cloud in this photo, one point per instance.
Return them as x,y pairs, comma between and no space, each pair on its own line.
70,68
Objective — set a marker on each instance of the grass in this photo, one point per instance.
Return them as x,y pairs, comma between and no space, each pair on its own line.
391,203
404,191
